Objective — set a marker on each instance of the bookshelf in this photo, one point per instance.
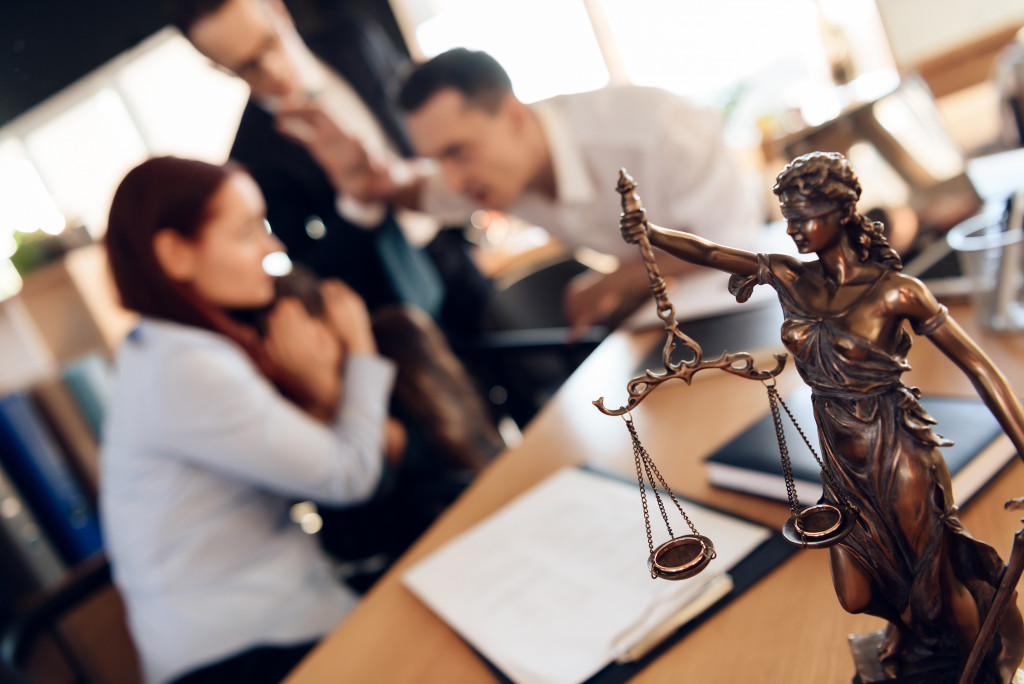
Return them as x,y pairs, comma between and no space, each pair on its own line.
63,328
73,305
26,355
65,319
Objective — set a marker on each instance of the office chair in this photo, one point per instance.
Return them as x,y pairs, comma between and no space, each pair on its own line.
509,330
521,355
74,633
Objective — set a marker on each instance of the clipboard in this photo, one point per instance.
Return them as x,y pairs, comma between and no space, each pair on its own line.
765,558
760,549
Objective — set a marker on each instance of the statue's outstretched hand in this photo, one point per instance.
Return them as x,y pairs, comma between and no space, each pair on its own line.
633,225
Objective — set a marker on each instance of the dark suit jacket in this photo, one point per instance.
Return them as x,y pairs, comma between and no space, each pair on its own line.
379,264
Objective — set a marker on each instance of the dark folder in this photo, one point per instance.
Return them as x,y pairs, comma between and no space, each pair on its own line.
751,462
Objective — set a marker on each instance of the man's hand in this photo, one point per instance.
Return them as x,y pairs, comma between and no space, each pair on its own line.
590,298
351,168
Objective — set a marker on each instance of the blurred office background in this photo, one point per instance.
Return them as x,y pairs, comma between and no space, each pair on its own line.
910,90
89,89
916,92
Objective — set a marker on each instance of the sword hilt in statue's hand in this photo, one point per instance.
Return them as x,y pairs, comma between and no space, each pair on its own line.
636,230
633,221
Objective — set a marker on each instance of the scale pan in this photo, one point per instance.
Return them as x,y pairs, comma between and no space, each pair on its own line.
682,557
818,526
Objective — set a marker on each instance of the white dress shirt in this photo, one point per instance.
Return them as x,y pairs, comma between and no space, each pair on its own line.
676,152
201,459
342,103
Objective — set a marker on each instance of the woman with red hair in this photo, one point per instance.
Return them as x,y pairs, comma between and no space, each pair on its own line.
203,453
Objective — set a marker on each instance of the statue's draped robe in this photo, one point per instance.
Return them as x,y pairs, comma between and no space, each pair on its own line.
879,448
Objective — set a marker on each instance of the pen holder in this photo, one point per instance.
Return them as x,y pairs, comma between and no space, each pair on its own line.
990,257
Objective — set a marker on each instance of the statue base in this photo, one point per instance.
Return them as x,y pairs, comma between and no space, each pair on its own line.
870,671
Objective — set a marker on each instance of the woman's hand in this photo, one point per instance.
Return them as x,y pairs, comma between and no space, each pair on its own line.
633,225
306,355
347,318
396,439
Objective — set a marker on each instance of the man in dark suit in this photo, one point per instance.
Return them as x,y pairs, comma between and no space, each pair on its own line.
309,95
319,113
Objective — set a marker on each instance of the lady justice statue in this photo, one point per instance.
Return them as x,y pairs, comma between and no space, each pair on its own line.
908,559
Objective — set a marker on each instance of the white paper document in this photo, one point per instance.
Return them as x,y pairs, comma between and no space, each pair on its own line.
555,585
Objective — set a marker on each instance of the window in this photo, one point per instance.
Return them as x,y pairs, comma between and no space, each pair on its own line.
562,54
756,59
61,161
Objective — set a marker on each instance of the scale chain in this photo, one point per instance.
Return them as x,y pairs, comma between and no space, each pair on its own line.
773,396
741,364
657,496
638,449
836,490
787,468
671,495
641,456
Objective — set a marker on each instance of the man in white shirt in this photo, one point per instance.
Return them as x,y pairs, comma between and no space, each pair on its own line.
555,164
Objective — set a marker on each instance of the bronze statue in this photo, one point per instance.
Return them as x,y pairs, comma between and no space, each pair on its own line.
908,558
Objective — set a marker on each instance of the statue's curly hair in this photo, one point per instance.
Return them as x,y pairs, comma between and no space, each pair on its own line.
828,176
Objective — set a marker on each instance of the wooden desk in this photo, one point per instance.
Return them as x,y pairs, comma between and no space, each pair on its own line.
788,628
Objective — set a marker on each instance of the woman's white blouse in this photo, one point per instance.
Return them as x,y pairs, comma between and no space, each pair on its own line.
201,459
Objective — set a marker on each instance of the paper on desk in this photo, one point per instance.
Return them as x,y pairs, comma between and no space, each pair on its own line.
555,585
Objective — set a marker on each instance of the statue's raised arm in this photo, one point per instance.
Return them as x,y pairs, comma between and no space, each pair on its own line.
634,224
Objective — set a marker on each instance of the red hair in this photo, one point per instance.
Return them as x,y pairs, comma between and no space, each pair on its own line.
171,193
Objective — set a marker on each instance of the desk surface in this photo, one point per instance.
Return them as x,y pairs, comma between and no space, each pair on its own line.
787,628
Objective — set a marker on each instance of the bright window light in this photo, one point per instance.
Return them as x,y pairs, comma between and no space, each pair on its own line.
10,279
183,105
25,205
82,155
543,58
886,188
694,48
911,118
862,25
